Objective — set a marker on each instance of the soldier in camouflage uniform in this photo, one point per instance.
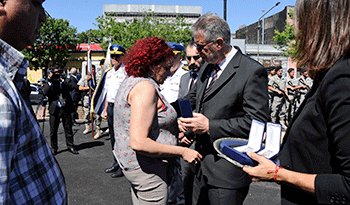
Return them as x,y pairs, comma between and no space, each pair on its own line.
272,72
306,83
277,85
291,91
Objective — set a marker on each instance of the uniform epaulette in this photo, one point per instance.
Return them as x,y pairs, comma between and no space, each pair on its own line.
185,67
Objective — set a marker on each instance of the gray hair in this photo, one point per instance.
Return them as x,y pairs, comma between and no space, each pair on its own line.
212,26
73,71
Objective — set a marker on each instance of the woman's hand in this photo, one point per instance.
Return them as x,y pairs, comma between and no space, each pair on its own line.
183,139
191,156
181,125
264,171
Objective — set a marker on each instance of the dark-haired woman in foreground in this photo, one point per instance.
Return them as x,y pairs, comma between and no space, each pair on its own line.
315,154
146,124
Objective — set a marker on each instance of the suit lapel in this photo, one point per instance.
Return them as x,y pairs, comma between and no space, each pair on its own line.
227,74
204,78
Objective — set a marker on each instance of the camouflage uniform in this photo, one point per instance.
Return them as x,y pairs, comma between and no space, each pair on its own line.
303,81
291,104
278,108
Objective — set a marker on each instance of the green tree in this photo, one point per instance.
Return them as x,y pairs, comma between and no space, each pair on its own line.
83,37
286,40
128,32
52,44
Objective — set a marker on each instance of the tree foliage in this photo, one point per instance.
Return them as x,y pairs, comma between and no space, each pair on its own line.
83,37
128,32
52,44
286,40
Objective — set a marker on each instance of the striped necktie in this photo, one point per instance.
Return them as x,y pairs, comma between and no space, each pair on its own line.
213,80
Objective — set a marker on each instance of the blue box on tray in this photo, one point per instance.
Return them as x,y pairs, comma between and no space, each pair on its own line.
236,149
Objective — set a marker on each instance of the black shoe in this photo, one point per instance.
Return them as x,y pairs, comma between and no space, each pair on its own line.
111,169
118,173
73,150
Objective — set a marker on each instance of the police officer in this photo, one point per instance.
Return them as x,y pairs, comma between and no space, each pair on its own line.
114,78
170,87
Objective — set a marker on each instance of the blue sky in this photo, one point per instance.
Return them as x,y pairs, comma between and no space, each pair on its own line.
82,13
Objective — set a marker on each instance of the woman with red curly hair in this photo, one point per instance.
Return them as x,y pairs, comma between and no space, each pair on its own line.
146,125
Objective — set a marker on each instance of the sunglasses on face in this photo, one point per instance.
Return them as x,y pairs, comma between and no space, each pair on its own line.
200,47
115,56
194,57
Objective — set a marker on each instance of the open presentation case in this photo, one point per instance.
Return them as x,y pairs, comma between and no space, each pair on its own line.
234,149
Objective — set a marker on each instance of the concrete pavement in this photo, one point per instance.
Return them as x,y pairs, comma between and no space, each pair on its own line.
87,184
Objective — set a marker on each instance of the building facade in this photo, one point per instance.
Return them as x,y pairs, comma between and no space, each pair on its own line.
264,51
123,12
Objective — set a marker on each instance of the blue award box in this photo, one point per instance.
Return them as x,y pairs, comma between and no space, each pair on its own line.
236,148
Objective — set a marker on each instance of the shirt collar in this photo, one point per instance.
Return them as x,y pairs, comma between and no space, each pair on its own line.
12,61
230,55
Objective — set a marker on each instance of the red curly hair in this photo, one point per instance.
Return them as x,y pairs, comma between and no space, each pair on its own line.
144,54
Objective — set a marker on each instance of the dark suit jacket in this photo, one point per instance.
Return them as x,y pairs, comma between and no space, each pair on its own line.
184,84
53,92
238,96
75,93
318,140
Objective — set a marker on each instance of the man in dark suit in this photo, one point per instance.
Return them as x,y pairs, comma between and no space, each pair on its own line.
75,93
194,62
230,91
60,107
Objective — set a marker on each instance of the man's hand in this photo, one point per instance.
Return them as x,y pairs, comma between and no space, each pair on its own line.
89,77
104,115
198,123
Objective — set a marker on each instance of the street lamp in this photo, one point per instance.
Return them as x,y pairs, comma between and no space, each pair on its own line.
259,24
225,8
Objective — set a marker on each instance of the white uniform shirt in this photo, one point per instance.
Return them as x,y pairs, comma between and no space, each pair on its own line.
113,81
170,88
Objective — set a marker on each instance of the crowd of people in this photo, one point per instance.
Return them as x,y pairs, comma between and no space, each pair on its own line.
286,93
167,157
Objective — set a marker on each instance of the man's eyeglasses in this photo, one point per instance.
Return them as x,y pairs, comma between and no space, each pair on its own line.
200,47
194,57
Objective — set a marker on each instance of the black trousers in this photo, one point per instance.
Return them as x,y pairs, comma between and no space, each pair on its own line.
75,113
67,125
210,195
110,120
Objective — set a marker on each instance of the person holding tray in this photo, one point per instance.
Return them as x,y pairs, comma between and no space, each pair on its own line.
145,123
315,156
230,92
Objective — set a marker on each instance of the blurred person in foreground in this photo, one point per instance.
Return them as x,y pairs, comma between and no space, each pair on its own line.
229,93
29,173
315,155
146,127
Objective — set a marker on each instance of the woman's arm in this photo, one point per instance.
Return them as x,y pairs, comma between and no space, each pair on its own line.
143,100
268,171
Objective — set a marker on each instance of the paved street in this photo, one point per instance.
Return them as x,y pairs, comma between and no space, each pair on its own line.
88,184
